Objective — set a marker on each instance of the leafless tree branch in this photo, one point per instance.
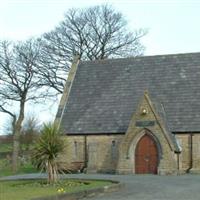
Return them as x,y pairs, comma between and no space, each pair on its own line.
98,32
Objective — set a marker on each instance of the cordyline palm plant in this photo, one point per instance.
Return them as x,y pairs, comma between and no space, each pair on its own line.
47,149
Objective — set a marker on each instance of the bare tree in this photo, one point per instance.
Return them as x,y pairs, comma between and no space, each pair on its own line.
94,33
18,84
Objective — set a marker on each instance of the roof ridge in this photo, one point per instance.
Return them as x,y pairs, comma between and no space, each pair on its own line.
139,57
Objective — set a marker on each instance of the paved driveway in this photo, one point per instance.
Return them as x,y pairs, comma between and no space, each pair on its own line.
151,187
147,187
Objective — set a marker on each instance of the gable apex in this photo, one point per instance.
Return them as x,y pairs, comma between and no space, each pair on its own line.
151,117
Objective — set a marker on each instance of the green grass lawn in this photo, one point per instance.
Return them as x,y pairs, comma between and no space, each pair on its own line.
5,165
5,147
28,189
25,169
6,170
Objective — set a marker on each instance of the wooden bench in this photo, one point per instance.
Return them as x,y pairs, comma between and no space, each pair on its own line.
76,166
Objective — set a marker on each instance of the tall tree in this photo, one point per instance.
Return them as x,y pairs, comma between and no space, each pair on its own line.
98,32
19,83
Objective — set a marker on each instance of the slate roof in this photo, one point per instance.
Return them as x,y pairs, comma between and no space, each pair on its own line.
105,93
162,114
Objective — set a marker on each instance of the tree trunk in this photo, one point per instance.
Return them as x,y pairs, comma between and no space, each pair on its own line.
15,153
52,172
16,137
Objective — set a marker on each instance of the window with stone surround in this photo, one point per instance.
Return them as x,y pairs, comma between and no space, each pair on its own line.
75,153
113,150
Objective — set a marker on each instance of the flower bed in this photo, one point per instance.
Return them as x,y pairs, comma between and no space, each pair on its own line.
30,189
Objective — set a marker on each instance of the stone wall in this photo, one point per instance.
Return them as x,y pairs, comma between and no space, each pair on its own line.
185,156
196,153
102,151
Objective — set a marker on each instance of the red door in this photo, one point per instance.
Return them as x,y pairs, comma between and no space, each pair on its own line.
146,156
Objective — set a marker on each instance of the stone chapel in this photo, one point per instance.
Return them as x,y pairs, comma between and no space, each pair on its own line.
135,115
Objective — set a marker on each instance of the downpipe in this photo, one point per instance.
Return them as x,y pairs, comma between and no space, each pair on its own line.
191,154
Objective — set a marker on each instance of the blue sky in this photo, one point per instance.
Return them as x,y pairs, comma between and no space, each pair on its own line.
173,24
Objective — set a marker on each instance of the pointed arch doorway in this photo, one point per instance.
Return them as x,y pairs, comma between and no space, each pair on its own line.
146,155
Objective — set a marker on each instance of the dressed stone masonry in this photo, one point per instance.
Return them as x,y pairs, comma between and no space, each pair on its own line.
133,115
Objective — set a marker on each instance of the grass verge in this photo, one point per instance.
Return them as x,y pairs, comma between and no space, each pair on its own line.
28,189
6,170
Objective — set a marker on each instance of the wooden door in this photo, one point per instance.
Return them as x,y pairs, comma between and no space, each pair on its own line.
146,156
